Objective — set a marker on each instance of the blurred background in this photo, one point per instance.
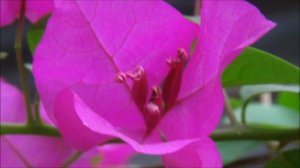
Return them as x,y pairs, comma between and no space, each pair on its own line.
282,41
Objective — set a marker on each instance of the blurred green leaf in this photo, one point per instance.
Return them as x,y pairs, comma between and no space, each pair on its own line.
36,32
254,90
255,66
288,159
269,116
232,150
235,103
290,100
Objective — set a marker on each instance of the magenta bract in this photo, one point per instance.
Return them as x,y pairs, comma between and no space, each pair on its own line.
25,150
43,151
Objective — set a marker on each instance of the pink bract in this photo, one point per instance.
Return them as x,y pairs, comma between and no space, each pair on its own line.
35,10
89,44
106,37
114,155
24,150
43,151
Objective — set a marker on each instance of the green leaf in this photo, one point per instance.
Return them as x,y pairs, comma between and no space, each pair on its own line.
255,66
232,150
269,116
290,100
235,103
35,33
250,91
288,159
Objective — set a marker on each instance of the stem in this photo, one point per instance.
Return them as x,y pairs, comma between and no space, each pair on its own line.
255,134
229,111
228,134
243,114
33,129
70,160
36,109
20,62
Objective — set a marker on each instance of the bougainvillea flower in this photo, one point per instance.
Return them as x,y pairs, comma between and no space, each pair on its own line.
92,49
124,69
35,10
43,151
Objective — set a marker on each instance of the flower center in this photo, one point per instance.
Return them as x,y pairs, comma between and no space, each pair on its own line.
162,98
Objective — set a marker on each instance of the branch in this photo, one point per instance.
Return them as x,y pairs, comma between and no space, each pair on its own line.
33,129
20,62
228,134
265,134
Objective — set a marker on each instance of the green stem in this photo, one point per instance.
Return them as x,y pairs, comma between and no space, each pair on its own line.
255,134
20,62
33,129
228,134
36,109
229,111
243,114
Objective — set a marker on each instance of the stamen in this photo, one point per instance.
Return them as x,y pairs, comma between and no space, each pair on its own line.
181,58
137,74
182,55
120,77
172,82
139,87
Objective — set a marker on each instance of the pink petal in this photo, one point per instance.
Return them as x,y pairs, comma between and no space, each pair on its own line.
106,156
37,151
71,128
227,27
90,158
133,136
116,155
195,116
203,153
12,103
16,150
87,43
9,158
36,9
9,11
44,115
